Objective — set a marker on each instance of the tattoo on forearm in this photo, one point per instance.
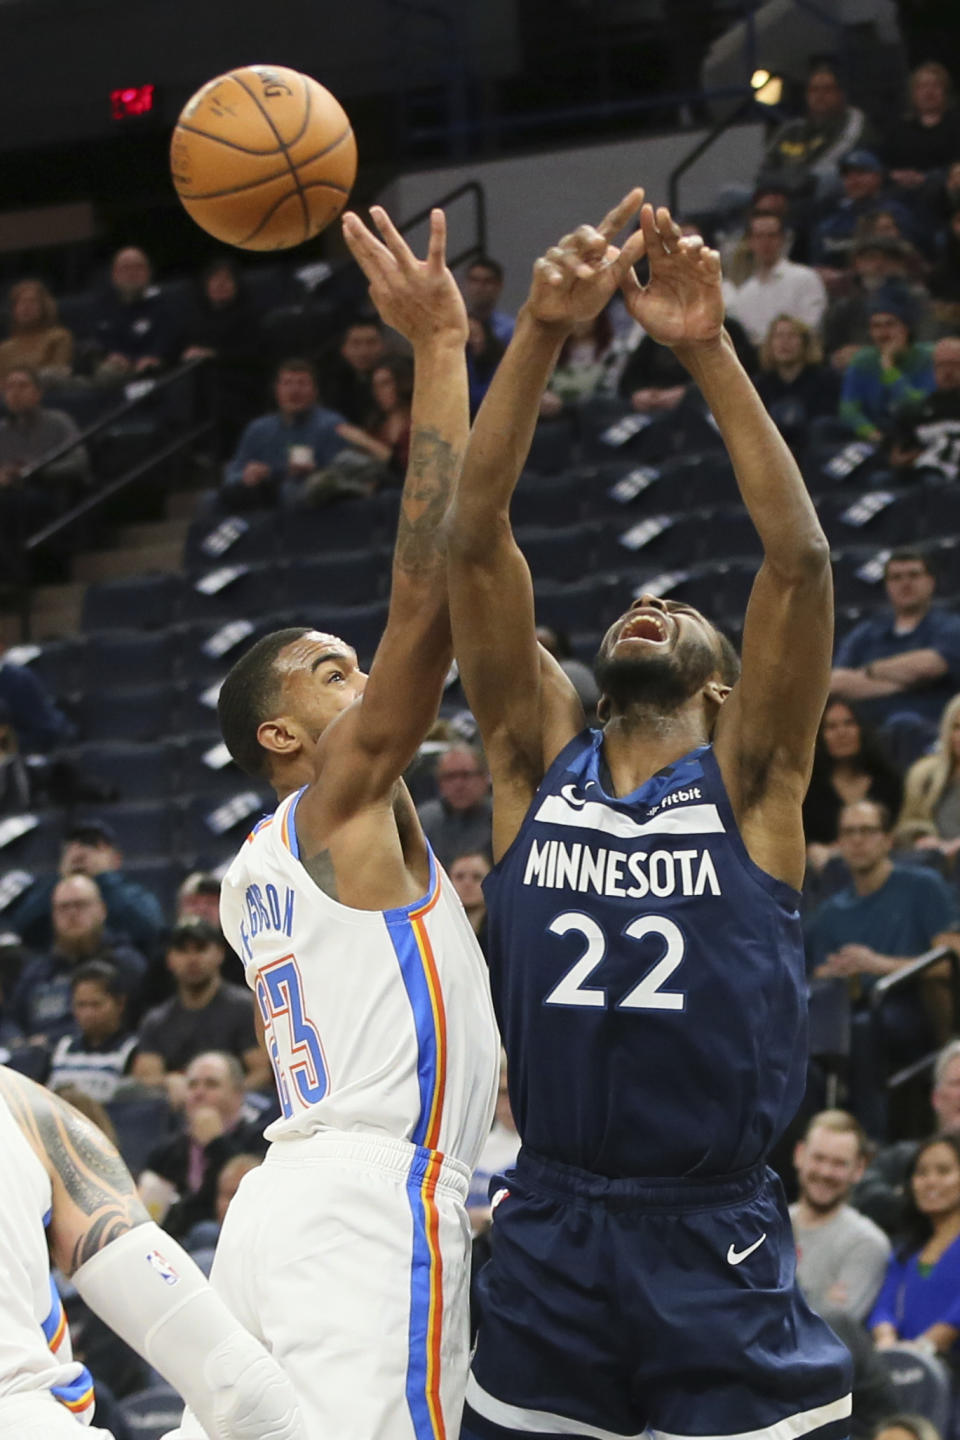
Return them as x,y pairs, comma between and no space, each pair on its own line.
96,1181
431,474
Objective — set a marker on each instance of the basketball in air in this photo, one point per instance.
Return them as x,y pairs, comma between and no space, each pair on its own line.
263,157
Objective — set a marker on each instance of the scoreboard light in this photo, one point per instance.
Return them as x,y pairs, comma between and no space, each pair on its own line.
131,100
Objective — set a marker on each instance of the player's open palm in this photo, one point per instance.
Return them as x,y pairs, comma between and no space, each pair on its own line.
683,301
580,275
420,298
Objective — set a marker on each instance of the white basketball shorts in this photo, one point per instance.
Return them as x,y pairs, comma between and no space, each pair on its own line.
349,1257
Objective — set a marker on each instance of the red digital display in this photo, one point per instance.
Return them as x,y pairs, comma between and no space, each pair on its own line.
131,100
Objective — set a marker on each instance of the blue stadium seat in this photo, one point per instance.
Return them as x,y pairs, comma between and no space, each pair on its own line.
147,602
360,625
553,445
146,712
60,664
356,577
555,502
144,829
129,657
558,554
150,1414
205,848
161,876
260,588
921,1384
347,525
727,533
142,1121
252,538
195,774
851,588
137,771
591,604
78,312
36,847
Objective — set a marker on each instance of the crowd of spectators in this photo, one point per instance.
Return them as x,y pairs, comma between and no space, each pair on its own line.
843,295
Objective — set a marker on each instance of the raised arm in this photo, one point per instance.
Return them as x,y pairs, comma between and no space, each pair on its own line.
766,731
369,747
523,721
141,1282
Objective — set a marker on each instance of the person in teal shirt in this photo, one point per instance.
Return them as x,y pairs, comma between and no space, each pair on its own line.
890,372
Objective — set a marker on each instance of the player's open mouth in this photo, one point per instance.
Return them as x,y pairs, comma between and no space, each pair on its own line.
646,625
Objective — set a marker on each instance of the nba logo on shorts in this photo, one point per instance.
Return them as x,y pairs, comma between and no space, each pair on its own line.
166,1272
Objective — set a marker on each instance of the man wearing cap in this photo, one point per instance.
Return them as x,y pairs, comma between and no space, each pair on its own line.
805,153
889,373
41,1003
927,433
877,263
864,192
206,1013
90,848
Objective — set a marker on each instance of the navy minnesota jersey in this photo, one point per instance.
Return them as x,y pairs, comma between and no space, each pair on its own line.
648,977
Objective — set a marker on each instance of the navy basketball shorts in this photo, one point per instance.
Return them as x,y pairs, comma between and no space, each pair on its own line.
621,1308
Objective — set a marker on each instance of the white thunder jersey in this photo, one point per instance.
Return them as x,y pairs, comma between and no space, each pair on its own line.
377,1021
35,1354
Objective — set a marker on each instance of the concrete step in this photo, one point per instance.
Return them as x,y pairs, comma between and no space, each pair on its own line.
152,532
55,610
166,555
182,504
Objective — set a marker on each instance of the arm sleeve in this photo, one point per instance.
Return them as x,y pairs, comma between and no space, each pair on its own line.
946,641
39,724
856,388
862,1274
941,909
246,450
884,1307
132,908
850,654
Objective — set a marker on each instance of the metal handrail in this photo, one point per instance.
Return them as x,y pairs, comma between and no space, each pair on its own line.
904,976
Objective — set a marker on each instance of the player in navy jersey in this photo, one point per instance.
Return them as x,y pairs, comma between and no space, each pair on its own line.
644,936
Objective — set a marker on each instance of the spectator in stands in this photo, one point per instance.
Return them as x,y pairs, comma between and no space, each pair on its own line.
228,1181
467,872
280,453
482,288
199,895
734,247
805,154
499,1153
223,326
778,286
887,916
652,379
39,723
459,820
920,1299
345,378
890,372
36,340
841,1255
220,1120
42,1001
945,276
926,437
90,848
32,488
930,817
878,264
205,1011
882,1192
906,1427
557,642
905,660
864,182
15,779
794,384
583,366
96,1056
484,353
849,764
134,328
927,139
389,420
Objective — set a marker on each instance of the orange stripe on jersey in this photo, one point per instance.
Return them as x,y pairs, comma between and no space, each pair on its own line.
81,1403
56,1338
435,1317
261,825
432,1133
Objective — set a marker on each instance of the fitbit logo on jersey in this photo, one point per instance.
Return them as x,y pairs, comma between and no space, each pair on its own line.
555,865
265,911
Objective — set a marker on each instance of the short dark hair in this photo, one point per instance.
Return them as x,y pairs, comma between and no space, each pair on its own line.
362,322
194,931
99,972
247,696
486,262
909,552
729,659
884,813
298,365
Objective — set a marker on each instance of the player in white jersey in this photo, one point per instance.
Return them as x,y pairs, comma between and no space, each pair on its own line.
347,1251
66,1196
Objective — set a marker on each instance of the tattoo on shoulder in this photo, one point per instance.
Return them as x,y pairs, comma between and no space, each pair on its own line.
432,470
320,869
94,1177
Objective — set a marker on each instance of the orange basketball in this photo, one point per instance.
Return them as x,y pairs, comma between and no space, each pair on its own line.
263,157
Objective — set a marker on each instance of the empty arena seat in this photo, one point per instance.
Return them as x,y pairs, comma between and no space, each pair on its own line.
141,829
921,1384
198,764
135,771
360,625
30,841
553,444
558,554
150,1414
59,665
590,604
162,877
228,540
147,602
144,712
255,589
355,577
212,826
853,584
346,525
555,501
129,657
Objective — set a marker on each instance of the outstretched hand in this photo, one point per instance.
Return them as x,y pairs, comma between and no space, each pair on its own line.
577,277
420,298
682,304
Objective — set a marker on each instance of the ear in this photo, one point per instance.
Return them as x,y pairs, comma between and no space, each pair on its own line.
280,736
603,709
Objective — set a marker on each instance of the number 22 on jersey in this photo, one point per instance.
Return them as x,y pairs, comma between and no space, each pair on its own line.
648,993
302,1079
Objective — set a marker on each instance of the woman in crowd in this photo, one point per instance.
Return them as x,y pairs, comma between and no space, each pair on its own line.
849,764
37,339
97,1057
919,1301
484,353
927,138
467,873
930,818
222,326
391,384
945,276
794,383
585,359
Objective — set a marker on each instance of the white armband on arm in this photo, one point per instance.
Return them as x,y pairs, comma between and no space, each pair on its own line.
148,1290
